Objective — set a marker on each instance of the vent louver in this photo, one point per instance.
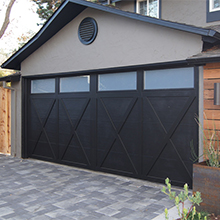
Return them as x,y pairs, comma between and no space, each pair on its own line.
87,30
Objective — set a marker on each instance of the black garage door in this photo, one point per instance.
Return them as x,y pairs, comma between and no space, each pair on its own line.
137,123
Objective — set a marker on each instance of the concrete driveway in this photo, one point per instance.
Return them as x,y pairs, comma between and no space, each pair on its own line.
32,189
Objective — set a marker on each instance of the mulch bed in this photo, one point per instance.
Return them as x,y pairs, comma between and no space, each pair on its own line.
213,217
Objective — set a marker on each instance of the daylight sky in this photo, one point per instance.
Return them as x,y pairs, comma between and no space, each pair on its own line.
23,19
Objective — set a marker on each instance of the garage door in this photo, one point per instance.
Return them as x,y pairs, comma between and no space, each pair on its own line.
134,123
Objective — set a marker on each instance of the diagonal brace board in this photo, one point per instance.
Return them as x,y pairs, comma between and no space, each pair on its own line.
43,124
171,131
117,132
74,128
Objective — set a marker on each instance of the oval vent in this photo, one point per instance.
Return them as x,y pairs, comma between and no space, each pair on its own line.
87,30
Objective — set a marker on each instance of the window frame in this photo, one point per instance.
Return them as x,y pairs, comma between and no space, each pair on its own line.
161,76
158,9
100,89
72,77
212,15
211,8
32,88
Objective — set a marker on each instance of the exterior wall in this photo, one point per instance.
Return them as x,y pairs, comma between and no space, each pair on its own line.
191,12
120,42
16,117
126,5
211,111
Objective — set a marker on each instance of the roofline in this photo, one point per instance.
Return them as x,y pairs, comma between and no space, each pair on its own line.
164,23
36,36
203,60
34,44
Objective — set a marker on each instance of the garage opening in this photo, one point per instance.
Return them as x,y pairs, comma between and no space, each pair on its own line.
133,123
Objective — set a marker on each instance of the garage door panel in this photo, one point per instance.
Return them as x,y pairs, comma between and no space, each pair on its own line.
74,153
39,113
169,164
185,133
114,113
73,109
177,173
117,109
75,130
165,118
42,107
44,148
166,108
131,136
117,159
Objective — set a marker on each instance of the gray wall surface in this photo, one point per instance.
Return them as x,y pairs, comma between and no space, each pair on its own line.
120,42
188,11
192,12
16,116
126,5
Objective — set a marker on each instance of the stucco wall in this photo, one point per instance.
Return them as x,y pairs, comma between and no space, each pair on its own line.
191,12
16,117
120,42
187,11
126,5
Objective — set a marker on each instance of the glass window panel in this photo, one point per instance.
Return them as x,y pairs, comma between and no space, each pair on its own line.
153,8
117,81
169,78
216,4
143,7
148,7
43,86
75,84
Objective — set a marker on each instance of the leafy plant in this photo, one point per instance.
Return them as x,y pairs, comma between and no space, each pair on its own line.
180,199
211,151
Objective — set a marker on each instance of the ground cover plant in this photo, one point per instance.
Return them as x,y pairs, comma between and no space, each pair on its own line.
184,213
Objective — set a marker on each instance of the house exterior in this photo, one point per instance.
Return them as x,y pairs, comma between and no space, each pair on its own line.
109,89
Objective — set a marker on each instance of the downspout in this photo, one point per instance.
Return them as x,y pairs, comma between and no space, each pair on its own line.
13,118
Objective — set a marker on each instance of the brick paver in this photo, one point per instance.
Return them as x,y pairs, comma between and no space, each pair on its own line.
32,189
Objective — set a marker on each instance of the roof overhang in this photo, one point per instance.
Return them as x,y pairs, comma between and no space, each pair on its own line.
69,9
209,56
11,78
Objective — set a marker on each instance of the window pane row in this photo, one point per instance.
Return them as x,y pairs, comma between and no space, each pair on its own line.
178,78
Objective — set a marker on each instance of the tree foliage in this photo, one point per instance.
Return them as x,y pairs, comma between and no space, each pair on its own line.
45,8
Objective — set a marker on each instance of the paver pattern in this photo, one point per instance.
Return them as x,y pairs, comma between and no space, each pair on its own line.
33,189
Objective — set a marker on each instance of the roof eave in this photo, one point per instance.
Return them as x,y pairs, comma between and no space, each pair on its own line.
11,78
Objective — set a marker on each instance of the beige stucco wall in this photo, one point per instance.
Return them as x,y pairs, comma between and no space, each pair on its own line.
120,42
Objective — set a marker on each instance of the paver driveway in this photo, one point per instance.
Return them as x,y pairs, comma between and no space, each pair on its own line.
32,189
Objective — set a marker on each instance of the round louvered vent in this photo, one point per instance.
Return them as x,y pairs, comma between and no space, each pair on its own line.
87,30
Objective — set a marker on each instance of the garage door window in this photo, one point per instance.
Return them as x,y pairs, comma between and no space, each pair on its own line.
117,81
180,78
75,84
43,86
